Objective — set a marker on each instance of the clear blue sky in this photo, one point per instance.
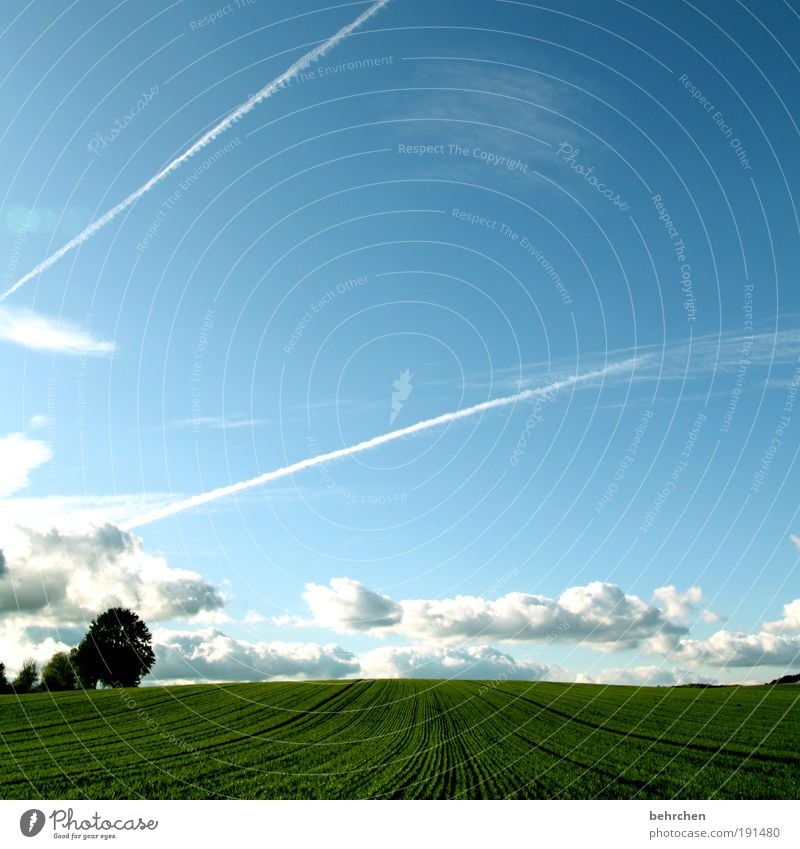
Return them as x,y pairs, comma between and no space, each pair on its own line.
517,196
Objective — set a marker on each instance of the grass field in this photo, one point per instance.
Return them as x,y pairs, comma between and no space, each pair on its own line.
402,739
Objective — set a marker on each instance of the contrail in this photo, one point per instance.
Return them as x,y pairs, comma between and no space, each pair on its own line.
238,113
319,459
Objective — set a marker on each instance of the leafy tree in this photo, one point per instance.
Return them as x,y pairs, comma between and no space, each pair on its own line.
27,676
5,687
117,651
59,673
85,676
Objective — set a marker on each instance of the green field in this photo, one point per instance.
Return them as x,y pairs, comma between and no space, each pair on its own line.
402,739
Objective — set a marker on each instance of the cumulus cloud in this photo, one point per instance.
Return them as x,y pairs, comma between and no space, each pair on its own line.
62,578
682,607
19,456
253,617
790,621
211,655
599,614
40,333
348,606
728,648
473,662
678,605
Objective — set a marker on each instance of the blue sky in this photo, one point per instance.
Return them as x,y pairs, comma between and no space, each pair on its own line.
458,203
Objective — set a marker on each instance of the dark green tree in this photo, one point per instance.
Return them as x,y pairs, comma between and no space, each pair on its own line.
5,687
27,677
81,659
59,673
117,651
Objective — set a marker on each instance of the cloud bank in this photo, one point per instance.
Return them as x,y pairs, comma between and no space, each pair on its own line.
733,649
599,614
474,662
211,655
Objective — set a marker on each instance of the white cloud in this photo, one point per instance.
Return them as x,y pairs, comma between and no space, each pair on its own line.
211,655
61,578
40,333
683,607
348,606
473,662
728,648
599,614
642,676
677,605
252,617
19,456
790,621
215,423
710,616
38,421
796,540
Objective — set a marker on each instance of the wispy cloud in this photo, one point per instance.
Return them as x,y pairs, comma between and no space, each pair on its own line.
496,106
72,512
214,423
696,359
40,333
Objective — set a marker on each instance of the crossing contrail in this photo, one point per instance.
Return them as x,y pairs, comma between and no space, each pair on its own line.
205,140
320,459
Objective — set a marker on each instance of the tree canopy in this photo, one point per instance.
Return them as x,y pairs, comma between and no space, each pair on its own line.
27,677
59,673
117,651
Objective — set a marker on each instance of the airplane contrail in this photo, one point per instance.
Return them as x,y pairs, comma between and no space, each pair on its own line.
206,139
319,459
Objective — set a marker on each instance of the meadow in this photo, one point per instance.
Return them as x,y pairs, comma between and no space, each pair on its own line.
402,739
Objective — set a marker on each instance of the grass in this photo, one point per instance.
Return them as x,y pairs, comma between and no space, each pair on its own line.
402,739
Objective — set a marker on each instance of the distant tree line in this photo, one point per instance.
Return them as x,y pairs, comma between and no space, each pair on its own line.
787,679
117,651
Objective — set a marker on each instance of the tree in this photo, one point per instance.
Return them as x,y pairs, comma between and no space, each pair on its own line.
59,673
27,676
786,679
117,651
5,687
85,676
